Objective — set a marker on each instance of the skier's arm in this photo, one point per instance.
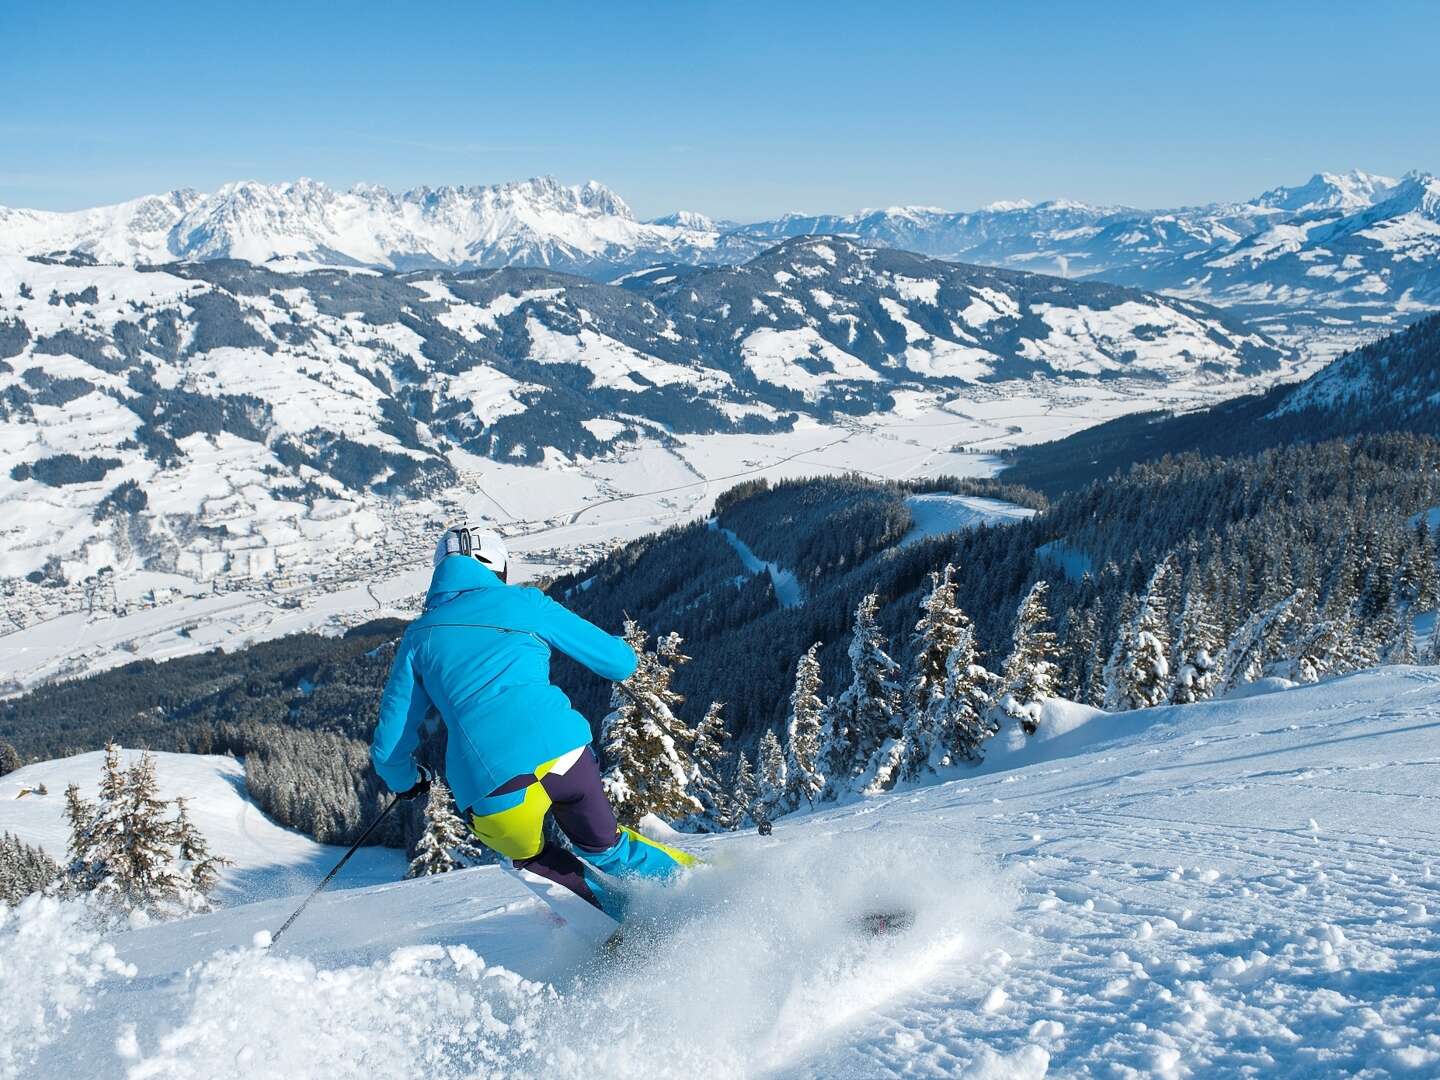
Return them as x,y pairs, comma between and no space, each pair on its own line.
604,654
403,706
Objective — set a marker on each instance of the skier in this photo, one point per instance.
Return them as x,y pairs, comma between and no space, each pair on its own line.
517,750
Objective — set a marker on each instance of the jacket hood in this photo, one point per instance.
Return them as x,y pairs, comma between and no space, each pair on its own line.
457,573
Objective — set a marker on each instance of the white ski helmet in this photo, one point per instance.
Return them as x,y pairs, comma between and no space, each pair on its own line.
486,545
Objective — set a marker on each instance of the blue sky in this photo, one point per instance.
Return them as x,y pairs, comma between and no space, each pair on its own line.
737,109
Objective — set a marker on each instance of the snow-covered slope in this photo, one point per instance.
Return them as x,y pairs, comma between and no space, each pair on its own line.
269,860
1213,890
938,514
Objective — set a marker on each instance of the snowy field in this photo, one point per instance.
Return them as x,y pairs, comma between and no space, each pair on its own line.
557,517
1237,888
936,515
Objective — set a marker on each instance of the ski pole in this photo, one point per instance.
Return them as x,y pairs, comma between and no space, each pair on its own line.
331,875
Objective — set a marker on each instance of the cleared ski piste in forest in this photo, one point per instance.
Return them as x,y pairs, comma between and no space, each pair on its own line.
1237,886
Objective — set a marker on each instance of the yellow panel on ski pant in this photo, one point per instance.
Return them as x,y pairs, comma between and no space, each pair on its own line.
519,832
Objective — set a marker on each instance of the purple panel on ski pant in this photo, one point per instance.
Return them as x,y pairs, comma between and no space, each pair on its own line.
584,815
581,807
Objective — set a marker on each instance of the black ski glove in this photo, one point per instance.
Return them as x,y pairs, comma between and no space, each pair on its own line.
421,787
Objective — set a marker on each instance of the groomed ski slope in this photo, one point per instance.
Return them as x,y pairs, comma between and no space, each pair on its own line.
1247,887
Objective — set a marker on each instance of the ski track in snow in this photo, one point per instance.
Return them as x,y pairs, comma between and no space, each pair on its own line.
1245,887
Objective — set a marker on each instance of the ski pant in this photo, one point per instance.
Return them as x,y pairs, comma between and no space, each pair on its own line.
570,788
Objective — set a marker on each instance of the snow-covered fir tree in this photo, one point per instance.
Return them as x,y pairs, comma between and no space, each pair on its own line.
1030,673
138,839
935,636
958,718
1329,646
1249,650
804,780
1138,674
23,869
127,851
79,867
9,758
1197,652
446,844
743,792
1399,639
769,779
646,746
1088,653
708,769
940,726
199,864
869,711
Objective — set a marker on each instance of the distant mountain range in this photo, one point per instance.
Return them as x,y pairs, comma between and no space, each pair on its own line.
1351,248
170,413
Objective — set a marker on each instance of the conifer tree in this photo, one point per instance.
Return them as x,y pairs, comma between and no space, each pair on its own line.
23,869
936,633
770,779
1138,674
743,793
708,769
201,866
1248,651
139,841
1400,639
803,778
1030,672
1086,674
9,758
869,711
81,871
446,843
1197,652
1330,646
646,745
958,718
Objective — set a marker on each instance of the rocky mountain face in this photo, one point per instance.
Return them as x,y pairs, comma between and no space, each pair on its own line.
538,222
150,409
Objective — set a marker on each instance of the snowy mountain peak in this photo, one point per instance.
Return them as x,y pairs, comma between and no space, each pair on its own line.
1347,191
1416,192
688,219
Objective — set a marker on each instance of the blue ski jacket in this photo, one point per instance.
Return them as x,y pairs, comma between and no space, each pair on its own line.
480,654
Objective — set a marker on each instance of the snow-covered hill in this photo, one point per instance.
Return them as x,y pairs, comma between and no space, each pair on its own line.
1221,889
268,859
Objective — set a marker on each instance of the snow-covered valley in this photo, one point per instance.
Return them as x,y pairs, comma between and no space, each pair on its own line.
556,517
1230,888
